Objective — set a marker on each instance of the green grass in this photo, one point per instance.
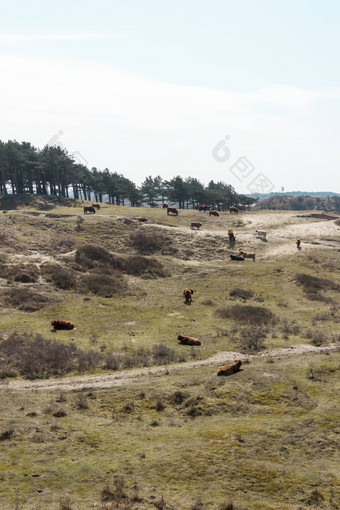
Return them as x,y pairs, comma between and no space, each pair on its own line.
264,438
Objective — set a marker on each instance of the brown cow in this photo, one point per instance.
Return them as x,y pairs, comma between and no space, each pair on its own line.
230,369
298,243
231,235
89,209
247,255
213,213
233,210
97,206
195,224
172,210
188,340
203,208
187,294
142,220
165,206
61,324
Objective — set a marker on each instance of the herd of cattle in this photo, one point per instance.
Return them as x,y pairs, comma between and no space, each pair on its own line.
226,370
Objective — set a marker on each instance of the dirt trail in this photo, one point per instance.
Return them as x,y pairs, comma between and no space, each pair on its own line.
142,374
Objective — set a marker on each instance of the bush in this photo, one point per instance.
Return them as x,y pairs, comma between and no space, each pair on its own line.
101,284
149,242
313,285
93,256
7,434
252,339
143,266
36,357
22,274
162,354
25,299
288,328
317,338
241,294
247,314
61,277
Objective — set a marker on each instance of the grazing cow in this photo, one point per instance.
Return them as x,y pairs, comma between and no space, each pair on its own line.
61,324
213,213
203,208
187,294
188,340
172,210
231,235
298,243
233,210
195,224
89,209
165,206
261,233
230,369
142,220
247,255
236,257
97,206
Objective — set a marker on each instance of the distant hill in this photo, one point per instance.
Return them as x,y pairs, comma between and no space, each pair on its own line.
264,196
301,203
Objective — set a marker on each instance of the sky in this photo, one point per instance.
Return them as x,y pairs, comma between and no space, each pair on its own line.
244,92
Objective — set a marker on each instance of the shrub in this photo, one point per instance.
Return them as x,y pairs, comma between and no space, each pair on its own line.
61,277
143,266
111,362
159,406
315,498
8,371
313,284
316,337
22,274
81,401
93,256
178,397
247,314
101,284
288,328
162,354
37,357
252,339
241,294
7,434
26,299
148,242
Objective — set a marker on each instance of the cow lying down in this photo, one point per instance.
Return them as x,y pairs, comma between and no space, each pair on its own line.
236,257
188,340
230,369
61,324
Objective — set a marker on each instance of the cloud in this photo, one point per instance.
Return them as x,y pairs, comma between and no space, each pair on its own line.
138,126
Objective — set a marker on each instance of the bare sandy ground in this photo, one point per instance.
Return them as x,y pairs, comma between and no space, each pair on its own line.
144,374
283,229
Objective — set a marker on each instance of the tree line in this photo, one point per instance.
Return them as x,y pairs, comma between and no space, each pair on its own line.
53,171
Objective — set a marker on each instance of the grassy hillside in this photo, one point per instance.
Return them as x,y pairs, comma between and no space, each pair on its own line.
264,438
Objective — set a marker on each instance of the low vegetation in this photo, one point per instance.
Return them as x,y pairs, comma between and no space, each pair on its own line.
37,357
166,436
247,314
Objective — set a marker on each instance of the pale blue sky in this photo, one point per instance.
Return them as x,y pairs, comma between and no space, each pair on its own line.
151,87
